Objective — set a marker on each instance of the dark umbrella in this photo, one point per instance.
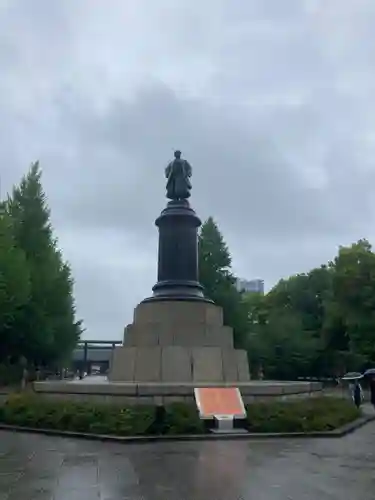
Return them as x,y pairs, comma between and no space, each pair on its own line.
352,376
370,371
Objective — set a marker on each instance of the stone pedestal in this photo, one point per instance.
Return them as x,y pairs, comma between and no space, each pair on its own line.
133,393
177,334
178,277
178,342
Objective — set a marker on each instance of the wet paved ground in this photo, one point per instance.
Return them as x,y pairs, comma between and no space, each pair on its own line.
35,467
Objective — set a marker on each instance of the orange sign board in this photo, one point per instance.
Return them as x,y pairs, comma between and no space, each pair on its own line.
214,401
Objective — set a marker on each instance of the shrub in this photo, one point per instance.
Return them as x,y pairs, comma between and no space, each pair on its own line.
181,418
305,415
31,411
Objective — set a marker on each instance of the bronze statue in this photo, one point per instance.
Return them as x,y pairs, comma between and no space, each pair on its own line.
178,174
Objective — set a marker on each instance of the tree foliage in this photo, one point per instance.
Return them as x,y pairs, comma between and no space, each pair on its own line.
326,315
37,319
14,287
320,323
216,276
354,296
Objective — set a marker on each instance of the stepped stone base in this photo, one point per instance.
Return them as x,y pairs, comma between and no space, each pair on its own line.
178,364
171,348
178,342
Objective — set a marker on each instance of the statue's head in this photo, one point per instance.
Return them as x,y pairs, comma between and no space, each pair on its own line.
177,154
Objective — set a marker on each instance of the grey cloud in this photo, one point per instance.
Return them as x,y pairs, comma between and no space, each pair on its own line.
239,167
272,103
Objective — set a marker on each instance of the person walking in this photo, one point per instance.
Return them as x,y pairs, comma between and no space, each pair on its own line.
357,394
372,391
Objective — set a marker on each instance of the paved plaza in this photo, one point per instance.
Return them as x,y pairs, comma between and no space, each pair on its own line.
36,467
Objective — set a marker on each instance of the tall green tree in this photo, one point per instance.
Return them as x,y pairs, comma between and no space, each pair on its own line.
14,289
48,319
324,315
305,295
282,349
257,310
216,276
354,296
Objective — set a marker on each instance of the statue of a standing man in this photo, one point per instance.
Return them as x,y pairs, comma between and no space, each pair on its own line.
178,174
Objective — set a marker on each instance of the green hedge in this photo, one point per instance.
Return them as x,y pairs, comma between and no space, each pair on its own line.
32,411
298,416
305,415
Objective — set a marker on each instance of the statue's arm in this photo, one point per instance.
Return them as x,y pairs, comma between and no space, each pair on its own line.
189,170
168,170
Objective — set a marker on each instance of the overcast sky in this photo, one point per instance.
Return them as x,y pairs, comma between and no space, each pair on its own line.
271,101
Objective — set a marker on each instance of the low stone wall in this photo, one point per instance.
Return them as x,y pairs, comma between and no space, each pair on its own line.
159,394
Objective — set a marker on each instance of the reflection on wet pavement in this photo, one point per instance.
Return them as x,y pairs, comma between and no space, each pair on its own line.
36,467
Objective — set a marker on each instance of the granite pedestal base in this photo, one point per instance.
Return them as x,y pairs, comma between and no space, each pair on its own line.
99,390
178,342
170,348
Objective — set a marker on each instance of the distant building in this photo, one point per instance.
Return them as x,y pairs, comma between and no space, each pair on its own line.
256,285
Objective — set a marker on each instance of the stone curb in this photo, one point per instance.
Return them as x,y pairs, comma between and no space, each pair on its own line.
342,431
